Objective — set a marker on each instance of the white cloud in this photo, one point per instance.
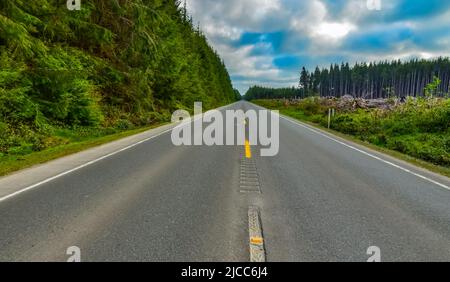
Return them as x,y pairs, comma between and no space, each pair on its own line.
333,31
307,18
240,62
316,29
222,31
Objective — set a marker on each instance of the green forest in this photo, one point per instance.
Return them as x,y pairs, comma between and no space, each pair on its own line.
367,80
378,80
260,92
111,66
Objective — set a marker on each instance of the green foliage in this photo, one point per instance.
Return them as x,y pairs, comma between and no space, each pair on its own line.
310,106
258,92
62,89
112,66
432,88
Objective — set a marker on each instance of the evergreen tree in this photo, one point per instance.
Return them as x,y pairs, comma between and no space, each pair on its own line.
304,83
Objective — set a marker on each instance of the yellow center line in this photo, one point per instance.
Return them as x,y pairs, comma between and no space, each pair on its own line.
248,151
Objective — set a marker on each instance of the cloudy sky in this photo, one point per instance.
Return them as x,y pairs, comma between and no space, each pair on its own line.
266,42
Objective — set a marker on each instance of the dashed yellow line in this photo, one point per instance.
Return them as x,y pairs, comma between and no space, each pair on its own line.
257,250
248,151
257,241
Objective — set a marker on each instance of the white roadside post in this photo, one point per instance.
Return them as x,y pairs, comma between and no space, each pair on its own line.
331,113
329,118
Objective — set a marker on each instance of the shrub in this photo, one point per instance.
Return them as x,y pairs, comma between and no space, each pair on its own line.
428,147
311,106
124,124
23,149
63,90
15,103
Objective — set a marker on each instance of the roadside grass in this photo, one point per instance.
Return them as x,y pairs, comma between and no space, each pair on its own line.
76,142
317,121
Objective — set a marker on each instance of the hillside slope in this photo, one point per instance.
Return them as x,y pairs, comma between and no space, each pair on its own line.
113,65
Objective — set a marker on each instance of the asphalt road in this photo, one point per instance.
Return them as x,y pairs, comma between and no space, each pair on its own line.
320,199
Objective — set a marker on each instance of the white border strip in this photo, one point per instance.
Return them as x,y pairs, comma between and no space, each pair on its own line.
80,167
368,154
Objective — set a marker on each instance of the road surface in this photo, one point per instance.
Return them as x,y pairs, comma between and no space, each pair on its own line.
319,199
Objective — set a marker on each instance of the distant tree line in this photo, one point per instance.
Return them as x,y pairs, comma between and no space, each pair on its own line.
259,92
415,78
378,80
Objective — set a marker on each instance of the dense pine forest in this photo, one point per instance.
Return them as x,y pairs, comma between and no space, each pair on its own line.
259,92
112,65
368,80
378,80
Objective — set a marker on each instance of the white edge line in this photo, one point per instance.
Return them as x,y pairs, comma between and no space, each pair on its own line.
363,152
193,119
80,167
368,154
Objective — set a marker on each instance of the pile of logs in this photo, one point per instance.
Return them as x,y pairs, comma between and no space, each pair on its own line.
348,103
